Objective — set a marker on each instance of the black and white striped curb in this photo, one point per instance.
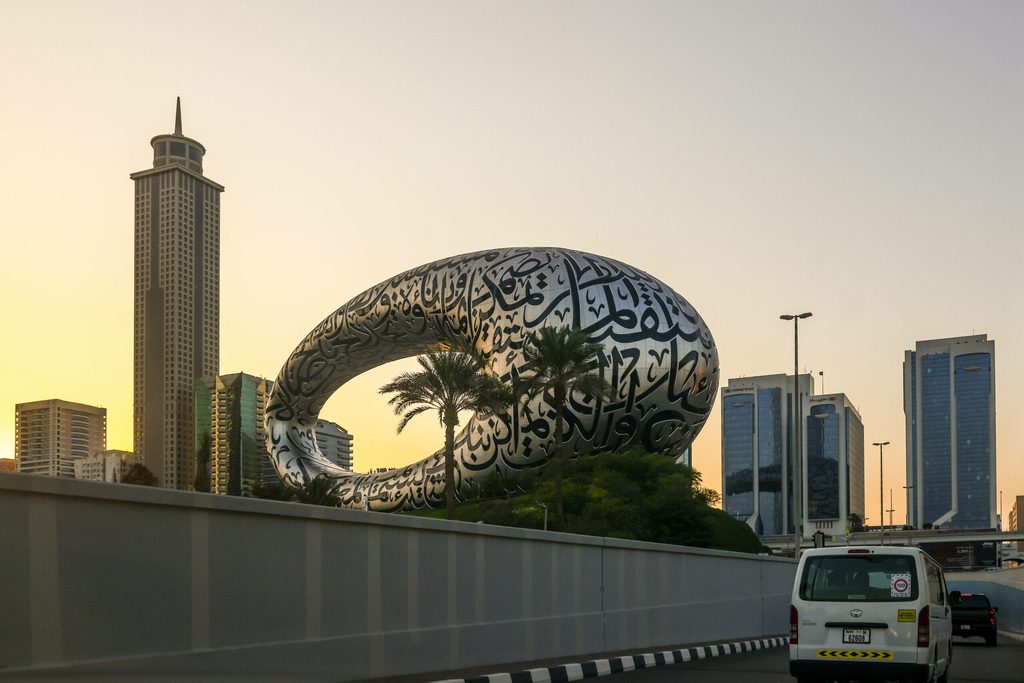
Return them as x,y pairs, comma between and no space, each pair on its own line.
614,665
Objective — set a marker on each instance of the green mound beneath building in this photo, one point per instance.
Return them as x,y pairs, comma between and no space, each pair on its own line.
638,496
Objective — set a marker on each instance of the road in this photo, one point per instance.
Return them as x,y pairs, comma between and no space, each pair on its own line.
972,661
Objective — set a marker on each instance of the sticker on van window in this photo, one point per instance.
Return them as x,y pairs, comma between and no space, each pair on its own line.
907,615
899,587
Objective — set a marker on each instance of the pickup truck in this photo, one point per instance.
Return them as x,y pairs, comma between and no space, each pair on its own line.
974,615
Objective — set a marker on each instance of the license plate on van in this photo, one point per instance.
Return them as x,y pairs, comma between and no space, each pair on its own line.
856,635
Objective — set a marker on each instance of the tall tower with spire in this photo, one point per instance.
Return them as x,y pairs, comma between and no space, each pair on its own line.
177,302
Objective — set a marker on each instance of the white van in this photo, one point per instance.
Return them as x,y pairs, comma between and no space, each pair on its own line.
869,613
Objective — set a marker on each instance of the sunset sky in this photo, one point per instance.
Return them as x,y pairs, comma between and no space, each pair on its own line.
864,161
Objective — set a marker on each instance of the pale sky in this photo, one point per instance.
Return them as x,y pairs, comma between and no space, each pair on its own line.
863,161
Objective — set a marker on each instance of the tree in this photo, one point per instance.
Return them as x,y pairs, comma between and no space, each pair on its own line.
448,382
273,490
856,523
634,495
202,481
322,490
563,361
138,474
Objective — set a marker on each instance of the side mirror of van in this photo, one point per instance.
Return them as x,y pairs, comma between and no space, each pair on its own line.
996,609
954,597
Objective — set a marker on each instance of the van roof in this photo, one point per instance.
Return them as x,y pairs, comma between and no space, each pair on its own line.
864,550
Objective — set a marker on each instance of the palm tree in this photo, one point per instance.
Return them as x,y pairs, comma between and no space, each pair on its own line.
563,361
322,490
448,382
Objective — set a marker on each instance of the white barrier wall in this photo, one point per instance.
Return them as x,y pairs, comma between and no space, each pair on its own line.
106,580
1005,589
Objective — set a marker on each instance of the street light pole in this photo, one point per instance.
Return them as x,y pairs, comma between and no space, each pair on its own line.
881,487
798,484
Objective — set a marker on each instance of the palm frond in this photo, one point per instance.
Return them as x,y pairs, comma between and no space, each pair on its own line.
592,385
411,414
558,360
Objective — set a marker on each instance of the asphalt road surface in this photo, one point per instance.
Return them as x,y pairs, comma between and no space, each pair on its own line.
972,661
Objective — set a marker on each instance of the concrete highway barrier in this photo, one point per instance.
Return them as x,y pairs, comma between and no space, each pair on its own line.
102,581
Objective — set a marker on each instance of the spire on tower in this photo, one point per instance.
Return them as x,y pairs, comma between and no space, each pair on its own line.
177,118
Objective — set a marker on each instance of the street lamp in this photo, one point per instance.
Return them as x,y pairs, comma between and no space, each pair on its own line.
545,506
881,488
798,483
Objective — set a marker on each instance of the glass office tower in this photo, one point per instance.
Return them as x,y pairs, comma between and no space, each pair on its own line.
757,454
834,457
949,404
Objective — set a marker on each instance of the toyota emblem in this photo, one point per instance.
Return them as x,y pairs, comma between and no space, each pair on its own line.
856,613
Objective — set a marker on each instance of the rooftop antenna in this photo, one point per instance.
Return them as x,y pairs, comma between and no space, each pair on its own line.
177,117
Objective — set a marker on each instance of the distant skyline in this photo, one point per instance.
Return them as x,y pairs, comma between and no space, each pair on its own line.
861,161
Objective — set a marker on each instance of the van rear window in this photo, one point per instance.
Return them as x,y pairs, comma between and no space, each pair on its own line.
859,578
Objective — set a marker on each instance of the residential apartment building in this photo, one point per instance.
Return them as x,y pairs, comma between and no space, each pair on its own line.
177,302
231,410
109,465
50,436
335,443
950,409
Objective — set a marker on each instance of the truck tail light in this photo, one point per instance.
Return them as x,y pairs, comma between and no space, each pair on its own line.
794,629
992,617
924,627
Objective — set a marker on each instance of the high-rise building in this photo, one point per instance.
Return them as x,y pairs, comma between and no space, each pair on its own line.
949,401
49,436
334,442
1016,521
109,465
757,450
234,408
177,300
833,445
686,457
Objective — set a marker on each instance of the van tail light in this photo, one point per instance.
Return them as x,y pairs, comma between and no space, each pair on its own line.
924,627
794,630
991,617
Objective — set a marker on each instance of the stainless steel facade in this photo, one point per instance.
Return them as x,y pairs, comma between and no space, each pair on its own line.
658,355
